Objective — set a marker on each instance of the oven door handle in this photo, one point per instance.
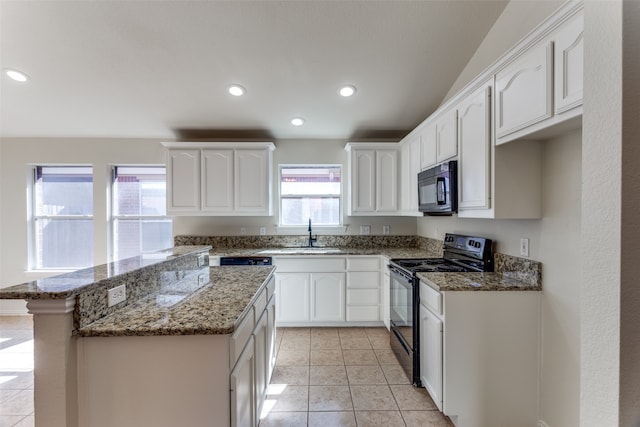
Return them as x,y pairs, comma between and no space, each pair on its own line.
399,274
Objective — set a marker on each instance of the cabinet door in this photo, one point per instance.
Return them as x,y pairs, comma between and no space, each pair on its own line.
446,137
261,363
474,171
217,176
524,91
363,185
569,64
242,389
387,181
414,169
292,293
183,181
405,176
386,293
271,336
327,297
428,146
431,354
252,182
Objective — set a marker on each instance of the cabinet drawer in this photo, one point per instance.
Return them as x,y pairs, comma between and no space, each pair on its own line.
240,337
431,298
261,303
308,264
359,297
363,264
363,314
363,279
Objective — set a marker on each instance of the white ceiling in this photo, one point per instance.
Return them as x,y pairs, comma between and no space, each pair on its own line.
159,69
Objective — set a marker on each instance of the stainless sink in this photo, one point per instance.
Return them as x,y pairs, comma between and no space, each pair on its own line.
301,250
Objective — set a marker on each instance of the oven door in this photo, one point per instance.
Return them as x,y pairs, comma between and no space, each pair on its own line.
402,305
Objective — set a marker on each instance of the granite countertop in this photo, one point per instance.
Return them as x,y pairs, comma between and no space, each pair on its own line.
389,252
476,282
71,284
213,309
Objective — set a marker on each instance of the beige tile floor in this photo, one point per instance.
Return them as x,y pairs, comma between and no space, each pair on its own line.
16,371
343,377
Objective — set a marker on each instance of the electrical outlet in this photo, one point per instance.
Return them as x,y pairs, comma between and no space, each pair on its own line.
524,247
263,231
116,295
243,230
202,260
365,230
385,229
201,279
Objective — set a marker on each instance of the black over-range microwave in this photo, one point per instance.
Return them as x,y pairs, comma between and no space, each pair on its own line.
438,189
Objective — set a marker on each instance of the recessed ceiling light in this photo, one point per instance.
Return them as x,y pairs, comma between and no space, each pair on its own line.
347,90
16,75
297,121
237,90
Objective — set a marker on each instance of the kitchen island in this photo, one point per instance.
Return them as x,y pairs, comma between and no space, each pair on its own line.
169,355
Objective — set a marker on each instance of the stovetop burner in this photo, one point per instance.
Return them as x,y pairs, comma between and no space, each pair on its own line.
461,254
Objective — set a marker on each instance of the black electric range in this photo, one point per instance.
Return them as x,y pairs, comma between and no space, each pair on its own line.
460,254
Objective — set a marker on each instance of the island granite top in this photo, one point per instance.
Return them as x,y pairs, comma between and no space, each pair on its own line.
70,284
213,309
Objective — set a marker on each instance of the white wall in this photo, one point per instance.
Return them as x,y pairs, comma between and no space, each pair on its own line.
18,154
294,152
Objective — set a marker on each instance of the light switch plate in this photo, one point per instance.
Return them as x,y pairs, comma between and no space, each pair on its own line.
263,231
385,230
524,247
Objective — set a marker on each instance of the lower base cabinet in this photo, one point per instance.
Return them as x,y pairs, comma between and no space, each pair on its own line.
483,347
243,407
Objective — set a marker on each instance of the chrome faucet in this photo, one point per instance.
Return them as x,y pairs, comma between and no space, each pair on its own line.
311,239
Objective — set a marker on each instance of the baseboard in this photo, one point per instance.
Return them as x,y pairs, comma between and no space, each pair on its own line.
542,424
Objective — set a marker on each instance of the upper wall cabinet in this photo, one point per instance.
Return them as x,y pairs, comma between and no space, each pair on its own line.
373,177
438,140
524,91
219,178
410,160
569,60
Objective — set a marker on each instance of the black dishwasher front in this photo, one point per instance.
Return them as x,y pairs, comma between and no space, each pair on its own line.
245,260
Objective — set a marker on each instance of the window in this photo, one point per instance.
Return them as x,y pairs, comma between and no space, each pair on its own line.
62,213
138,211
310,192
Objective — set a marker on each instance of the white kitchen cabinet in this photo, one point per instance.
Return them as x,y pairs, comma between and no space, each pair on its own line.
261,363
569,64
428,146
183,181
242,379
474,163
217,176
446,136
373,177
219,179
410,160
487,344
363,289
253,182
271,336
524,91
431,354
328,290
327,297
293,297
386,293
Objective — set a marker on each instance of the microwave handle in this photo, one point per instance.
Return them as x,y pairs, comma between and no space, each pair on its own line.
441,193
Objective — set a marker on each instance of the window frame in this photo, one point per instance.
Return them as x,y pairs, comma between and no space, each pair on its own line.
112,217
33,217
303,228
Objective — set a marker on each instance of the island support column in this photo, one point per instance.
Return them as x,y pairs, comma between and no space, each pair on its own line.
55,367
